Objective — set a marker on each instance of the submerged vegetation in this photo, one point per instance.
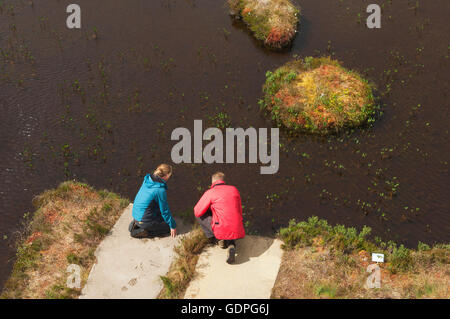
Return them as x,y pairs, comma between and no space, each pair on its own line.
69,223
273,22
317,95
324,261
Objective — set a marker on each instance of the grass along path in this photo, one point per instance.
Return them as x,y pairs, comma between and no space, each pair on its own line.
322,261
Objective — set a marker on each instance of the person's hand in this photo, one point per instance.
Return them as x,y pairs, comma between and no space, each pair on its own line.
173,233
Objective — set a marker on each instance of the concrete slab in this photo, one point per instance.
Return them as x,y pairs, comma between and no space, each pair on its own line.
130,268
252,276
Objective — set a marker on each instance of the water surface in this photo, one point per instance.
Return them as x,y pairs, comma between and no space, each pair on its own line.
102,110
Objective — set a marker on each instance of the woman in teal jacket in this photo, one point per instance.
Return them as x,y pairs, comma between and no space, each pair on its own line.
151,213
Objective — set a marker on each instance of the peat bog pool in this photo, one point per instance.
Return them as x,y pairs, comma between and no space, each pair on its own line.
99,105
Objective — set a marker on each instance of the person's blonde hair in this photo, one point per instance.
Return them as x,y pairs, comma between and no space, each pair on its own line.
163,170
219,176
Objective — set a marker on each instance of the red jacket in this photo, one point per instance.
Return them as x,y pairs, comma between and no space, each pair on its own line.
225,203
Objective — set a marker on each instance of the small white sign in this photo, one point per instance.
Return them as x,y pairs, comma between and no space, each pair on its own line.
378,258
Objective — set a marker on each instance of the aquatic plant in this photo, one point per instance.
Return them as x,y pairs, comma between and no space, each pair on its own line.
317,95
272,21
221,120
94,34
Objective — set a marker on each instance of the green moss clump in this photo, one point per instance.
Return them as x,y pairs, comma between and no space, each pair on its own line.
318,95
305,233
274,22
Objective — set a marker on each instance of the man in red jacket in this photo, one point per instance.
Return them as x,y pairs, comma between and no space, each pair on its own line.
219,213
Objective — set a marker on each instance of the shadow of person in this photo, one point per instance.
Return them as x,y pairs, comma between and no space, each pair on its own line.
183,228
251,247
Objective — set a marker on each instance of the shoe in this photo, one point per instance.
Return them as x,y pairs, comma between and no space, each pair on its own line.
222,244
140,233
231,254
212,241
131,226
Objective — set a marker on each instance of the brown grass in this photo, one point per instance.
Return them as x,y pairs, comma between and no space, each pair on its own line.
315,272
69,223
182,269
321,261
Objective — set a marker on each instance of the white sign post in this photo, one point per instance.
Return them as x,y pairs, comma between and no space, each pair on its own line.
378,258
374,279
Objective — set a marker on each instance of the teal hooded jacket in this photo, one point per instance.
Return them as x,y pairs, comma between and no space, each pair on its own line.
151,200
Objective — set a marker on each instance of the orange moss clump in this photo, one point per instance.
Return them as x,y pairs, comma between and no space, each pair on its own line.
274,22
317,95
279,38
246,11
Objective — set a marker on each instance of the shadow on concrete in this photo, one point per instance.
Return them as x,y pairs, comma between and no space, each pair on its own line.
251,247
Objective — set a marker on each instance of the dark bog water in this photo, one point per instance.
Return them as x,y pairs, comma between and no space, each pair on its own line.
102,111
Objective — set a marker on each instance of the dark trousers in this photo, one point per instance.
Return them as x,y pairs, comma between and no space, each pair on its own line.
149,229
205,223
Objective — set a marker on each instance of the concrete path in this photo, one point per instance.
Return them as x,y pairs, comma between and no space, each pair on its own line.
252,276
129,268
